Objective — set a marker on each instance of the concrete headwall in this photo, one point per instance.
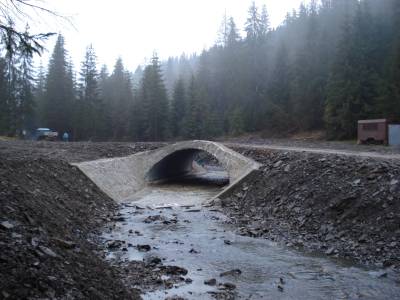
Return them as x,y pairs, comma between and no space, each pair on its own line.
122,177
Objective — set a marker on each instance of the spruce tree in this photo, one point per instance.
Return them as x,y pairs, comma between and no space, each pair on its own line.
253,24
233,35
352,89
264,23
120,101
223,31
39,92
106,105
389,98
89,104
278,114
178,107
191,128
153,105
26,119
4,110
59,95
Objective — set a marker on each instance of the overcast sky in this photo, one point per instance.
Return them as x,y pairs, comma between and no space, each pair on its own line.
133,29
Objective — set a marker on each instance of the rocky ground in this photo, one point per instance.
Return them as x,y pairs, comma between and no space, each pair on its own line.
49,214
344,207
71,152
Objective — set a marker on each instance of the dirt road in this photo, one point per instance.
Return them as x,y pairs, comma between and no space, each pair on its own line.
379,153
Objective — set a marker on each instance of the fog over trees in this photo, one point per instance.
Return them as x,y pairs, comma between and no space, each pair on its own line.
329,64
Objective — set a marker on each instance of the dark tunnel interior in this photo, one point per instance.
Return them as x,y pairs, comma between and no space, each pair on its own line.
179,167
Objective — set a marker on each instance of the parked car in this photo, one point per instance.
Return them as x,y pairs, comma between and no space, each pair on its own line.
45,134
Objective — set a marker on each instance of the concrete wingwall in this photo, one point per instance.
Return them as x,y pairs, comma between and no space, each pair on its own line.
122,177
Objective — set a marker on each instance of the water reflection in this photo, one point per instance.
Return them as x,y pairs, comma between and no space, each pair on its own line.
268,271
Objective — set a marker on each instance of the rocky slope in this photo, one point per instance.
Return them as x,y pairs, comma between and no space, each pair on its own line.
48,214
345,207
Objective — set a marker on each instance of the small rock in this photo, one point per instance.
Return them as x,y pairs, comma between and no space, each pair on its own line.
329,237
188,280
47,251
175,298
387,263
151,219
227,286
6,225
153,260
330,251
174,270
5,294
278,163
363,238
114,244
193,210
193,251
65,244
394,182
211,282
233,272
227,242
379,274
16,235
143,248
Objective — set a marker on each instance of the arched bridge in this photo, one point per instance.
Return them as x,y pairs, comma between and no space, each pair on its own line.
122,177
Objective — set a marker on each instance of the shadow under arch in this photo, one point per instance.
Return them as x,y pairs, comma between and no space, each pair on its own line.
188,166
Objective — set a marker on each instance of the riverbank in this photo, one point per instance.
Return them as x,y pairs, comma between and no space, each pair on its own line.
50,214
345,207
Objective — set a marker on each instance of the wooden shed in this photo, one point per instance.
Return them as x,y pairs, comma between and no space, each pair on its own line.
373,131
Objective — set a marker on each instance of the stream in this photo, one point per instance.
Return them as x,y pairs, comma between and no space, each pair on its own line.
179,230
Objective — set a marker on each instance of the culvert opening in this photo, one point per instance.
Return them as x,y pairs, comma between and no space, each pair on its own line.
188,167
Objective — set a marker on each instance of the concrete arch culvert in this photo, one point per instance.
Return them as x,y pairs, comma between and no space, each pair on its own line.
122,177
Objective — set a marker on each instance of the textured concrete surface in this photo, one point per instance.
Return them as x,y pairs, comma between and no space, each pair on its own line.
120,178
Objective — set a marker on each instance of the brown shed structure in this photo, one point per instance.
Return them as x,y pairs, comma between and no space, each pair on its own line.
373,131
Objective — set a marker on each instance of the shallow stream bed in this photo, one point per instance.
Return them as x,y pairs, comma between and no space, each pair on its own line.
181,232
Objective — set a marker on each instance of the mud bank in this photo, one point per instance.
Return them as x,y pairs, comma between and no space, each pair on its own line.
49,217
345,207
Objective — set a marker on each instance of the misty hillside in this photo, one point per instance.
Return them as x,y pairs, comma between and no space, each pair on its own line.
329,64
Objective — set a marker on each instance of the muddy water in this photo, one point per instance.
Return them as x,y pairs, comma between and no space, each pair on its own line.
203,242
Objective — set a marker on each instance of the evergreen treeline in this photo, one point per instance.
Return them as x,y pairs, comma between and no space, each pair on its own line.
329,64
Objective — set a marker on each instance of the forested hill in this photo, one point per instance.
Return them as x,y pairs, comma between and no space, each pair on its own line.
329,64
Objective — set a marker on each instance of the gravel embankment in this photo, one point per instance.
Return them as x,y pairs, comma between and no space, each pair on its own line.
49,212
345,207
